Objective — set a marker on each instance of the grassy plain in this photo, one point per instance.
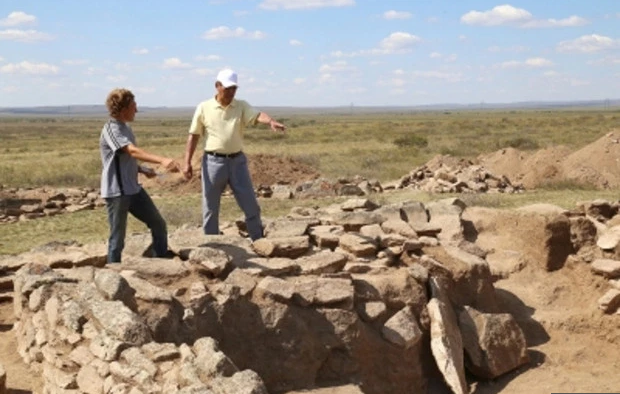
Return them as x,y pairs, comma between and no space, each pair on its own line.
61,151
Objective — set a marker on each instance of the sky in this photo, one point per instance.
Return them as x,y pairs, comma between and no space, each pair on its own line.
309,53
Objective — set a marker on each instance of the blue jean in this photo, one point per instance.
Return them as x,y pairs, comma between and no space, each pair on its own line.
217,172
142,208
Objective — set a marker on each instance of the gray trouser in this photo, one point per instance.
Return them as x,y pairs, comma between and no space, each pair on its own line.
141,206
217,172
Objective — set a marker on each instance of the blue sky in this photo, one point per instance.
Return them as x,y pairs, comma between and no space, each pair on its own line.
309,52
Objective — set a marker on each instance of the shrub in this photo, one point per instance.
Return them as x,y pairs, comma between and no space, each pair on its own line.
522,143
411,140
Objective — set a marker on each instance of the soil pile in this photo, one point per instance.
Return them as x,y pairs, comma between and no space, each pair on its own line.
264,170
596,164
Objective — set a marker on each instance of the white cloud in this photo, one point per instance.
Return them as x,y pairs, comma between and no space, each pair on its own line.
303,4
514,48
204,71
75,62
588,44
222,32
398,42
608,60
295,43
395,43
140,51
93,71
143,90
208,58
396,82
175,63
507,15
1,59
571,21
397,15
17,18
339,66
29,68
451,58
10,89
116,78
538,62
534,62
462,38
435,55
24,35
299,81
446,76
123,66
578,82
343,54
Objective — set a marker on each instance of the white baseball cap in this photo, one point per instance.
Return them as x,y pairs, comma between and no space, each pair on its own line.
227,78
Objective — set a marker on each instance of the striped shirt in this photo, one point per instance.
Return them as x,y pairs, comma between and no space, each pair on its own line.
120,171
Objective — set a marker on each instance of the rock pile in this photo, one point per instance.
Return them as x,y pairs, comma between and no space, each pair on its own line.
382,296
445,174
23,204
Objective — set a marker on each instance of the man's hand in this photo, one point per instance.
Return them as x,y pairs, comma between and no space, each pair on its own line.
171,165
187,171
277,126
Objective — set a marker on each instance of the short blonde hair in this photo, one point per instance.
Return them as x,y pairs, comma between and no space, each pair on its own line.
118,100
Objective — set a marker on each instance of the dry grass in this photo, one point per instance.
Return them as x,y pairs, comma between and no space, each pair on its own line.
64,152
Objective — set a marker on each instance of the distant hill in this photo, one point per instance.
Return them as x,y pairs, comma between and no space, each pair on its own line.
100,110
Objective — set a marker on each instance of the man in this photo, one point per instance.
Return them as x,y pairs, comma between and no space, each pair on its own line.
119,177
222,120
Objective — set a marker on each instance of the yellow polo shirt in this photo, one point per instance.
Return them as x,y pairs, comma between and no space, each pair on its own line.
223,126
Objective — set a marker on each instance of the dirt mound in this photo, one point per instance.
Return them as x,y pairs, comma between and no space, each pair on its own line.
264,169
529,169
596,164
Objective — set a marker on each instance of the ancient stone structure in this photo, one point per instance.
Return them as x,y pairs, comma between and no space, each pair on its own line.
384,297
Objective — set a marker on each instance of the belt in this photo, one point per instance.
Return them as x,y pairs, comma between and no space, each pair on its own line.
229,155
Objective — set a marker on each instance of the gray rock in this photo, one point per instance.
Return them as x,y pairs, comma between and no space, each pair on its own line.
276,288
277,266
358,245
402,329
114,287
610,301
606,267
106,348
494,343
121,323
447,345
286,228
326,236
325,262
212,261
291,247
